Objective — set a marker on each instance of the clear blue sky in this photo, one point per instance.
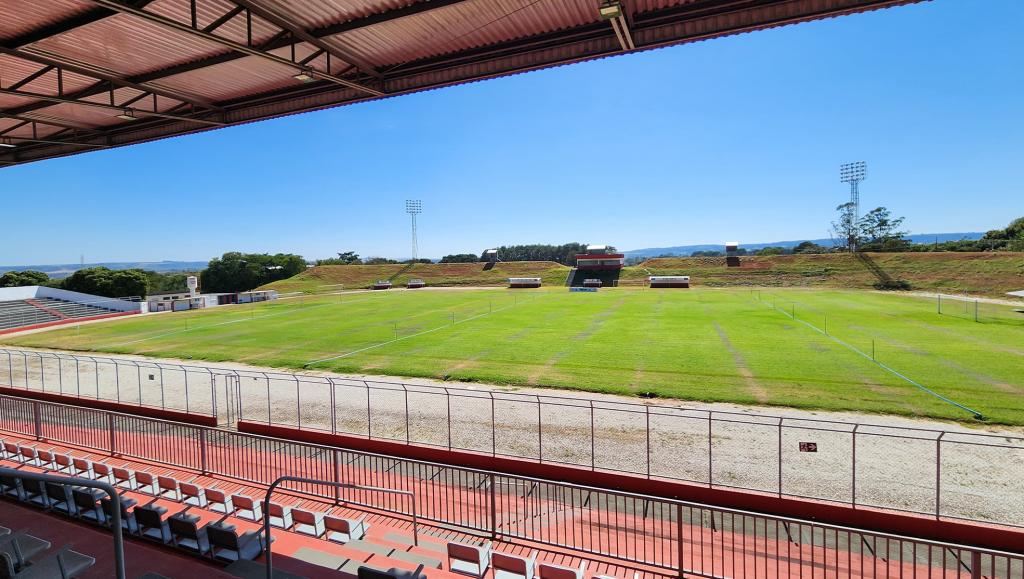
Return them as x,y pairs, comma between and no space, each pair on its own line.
736,138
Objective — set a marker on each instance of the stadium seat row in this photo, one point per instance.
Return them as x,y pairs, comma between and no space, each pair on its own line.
217,540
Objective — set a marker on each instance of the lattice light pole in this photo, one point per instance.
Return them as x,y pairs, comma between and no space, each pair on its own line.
414,207
853,173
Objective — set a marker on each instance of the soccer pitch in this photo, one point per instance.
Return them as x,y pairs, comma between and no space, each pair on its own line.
740,346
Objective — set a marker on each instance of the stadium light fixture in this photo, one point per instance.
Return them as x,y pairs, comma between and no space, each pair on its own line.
127,115
6,143
305,76
610,9
850,172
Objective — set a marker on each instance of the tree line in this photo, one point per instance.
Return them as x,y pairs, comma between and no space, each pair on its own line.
352,258
564,254
232,272
879,231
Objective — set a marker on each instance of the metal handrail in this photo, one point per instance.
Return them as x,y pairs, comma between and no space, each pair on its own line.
497,478
115,499
279,480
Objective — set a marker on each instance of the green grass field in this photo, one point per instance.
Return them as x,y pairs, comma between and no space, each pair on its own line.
701,344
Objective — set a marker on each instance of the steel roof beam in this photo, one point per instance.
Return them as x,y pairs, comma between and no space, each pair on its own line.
58,62
235,46
119,108
285,23
67,25
31,77
56,142
45,121
280,41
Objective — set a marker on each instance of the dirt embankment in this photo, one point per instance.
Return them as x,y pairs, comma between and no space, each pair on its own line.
435,274
990,274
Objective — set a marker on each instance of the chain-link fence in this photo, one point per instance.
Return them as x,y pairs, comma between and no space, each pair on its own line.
943,473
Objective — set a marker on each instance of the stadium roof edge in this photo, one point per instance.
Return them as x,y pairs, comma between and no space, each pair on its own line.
106,73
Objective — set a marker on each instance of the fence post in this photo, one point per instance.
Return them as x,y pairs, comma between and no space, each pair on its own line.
780,456
593,445
853,462
203,465
110,430
938,474
38,419
647,410
710,470
407,436
540,435
680,552
494,507
369,416
337,472
334,409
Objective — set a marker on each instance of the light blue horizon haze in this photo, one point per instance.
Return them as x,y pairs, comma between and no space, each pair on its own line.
733,138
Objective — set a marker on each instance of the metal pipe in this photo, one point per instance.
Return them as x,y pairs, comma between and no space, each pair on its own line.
111,492
337,485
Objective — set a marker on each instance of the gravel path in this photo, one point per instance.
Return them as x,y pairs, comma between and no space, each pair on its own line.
980,474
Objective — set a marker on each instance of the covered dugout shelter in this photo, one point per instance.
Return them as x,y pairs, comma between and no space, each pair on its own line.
80,75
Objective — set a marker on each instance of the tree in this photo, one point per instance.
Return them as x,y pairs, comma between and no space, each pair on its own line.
236,272
167,282
460,258
773,250
345,258
23,278
878,226
806,247
564,254
846,229
102,281
707,253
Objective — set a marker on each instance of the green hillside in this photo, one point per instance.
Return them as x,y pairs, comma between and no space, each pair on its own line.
991,274
435,274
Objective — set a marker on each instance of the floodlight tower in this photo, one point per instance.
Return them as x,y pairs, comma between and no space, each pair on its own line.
854,173
414,207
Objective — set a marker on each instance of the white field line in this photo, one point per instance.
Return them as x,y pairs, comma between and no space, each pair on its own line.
246,319
417,334
892,371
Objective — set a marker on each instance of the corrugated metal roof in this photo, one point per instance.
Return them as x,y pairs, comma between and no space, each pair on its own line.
396,47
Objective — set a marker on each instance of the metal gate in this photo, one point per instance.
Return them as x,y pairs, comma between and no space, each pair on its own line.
229,404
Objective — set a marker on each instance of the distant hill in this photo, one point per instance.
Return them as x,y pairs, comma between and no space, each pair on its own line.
686,250
61,271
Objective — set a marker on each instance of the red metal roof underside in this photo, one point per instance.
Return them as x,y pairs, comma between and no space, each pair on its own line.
147,56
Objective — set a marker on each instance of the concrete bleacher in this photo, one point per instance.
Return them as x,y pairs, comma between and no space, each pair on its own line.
43,310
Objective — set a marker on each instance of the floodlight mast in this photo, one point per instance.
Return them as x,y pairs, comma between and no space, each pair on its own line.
414,207
853,173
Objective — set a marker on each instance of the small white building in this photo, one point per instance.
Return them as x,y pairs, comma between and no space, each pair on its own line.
187,300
